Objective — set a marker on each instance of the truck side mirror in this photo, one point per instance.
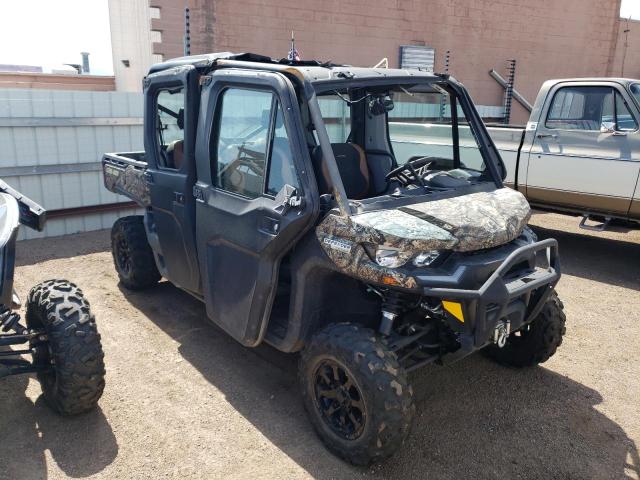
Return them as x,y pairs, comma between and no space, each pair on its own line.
607,127
610,128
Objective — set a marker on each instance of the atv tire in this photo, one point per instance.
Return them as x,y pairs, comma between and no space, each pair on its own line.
75,380
355,393
132,254
526,348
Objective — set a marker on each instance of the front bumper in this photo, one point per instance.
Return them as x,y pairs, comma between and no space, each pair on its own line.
515,293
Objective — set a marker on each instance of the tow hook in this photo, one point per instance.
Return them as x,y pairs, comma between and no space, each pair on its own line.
501,333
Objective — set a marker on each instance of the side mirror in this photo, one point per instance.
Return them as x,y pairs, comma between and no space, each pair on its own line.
608,127
288,198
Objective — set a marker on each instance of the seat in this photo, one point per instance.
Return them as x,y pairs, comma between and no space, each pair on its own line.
353,168
175,151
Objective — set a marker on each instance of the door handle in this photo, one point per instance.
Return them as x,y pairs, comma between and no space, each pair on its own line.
547,135
269,225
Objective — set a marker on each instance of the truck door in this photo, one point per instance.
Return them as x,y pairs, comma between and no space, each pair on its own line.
254,196
586,150
171,112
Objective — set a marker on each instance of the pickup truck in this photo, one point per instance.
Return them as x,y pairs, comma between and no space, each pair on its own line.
580,150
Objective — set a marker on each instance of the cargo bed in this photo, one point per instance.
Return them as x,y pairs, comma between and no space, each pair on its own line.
125,173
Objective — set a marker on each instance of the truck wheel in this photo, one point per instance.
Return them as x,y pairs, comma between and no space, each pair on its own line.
355,393
526,348
75,380
132,254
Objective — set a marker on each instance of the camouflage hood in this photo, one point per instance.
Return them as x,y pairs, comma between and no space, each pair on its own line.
465,223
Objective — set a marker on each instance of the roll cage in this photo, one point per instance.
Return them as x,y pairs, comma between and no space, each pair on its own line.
312,78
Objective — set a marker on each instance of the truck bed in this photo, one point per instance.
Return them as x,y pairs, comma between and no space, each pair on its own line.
124,173
508,140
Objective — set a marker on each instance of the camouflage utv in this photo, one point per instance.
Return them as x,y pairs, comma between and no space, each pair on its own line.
355,215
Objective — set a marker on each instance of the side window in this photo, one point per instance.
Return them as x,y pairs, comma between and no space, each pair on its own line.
589,108
170,127
624,119
250,133
281,169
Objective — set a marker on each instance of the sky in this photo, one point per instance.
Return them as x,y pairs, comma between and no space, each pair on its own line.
50,33
630,8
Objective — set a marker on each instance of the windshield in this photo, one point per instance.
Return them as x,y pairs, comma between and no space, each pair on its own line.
418,121
421,125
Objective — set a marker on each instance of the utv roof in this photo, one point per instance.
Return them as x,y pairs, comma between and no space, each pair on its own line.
313,71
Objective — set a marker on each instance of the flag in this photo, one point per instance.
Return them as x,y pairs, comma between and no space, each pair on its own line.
293,55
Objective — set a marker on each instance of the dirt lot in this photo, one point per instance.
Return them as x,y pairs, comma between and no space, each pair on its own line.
183,400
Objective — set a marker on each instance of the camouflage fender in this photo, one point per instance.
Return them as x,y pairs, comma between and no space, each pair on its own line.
127,181
465,223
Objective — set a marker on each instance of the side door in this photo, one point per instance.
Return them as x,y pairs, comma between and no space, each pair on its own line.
255,195
171,112
586,149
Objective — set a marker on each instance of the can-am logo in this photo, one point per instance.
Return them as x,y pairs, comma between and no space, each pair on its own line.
336,244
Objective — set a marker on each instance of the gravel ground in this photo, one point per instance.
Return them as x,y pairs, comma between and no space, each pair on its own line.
183,400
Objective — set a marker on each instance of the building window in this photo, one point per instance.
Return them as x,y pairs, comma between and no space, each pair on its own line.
156,36
154,12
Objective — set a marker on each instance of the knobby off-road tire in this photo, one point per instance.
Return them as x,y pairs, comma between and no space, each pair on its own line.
536,345
355,393
132,254
75,380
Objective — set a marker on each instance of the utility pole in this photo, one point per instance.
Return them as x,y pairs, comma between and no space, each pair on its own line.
626,44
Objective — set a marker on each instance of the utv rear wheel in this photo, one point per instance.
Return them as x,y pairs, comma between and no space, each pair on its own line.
537,343
355,393
132,254
73,379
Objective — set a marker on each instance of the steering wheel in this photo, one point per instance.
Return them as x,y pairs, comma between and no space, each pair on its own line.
411,172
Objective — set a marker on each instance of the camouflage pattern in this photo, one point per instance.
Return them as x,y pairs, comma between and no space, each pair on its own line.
127,181
465,223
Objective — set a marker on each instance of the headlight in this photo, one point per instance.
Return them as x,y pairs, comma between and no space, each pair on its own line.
425,259
389,257
392,257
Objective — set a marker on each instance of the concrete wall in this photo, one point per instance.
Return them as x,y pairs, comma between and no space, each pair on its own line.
130,40
548,38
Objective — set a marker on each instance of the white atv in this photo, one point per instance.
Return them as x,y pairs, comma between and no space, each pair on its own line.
60,333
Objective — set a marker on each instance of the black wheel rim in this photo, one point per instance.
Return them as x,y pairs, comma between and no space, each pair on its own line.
339,400
123,259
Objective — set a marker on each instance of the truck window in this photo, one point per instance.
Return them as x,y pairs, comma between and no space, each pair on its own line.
624,118
250,132
589,108
170,127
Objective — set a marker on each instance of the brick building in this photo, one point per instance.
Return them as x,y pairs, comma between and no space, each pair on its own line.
549,39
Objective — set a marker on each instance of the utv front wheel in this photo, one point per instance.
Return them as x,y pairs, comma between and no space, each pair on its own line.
537,343
132,254
355,393
72,378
